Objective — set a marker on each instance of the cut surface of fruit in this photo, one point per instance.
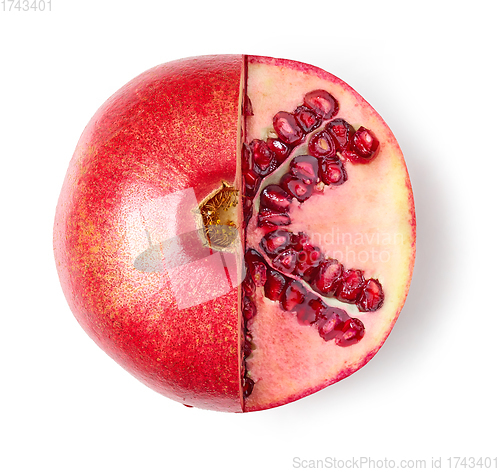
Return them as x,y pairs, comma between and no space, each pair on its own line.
360,217
265,261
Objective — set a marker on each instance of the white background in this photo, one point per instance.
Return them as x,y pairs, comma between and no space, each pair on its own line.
430,68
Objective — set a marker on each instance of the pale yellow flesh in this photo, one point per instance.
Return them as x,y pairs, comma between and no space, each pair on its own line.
367,223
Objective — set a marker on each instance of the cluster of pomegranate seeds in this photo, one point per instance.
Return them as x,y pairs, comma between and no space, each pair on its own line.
293,254
332,323
339,138
260,158
263,157
304,174
256,276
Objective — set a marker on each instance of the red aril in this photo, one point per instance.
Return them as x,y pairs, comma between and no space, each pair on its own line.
332,171
307,119
217,272
362,146
372,296
275,242
294,295
275,198
286,261
279,148
296,187
327,277
287,128
340,131
305,168
271,218
331,324
264,160
350,286
322,144
275,284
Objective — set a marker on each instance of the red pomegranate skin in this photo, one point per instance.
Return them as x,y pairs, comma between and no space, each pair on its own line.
171,129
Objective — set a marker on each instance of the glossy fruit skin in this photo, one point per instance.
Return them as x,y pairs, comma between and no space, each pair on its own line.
156,136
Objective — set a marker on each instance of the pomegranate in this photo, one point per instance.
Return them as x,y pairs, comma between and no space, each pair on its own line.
237,232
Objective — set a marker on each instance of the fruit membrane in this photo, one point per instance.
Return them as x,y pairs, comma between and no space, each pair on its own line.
236,231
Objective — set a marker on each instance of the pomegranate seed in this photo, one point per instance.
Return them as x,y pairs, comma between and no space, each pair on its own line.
275,284
248,286
247,208
307,119
247,348
341,131
305,168
246,158
275,242
294,295
327,277
352,332
252,182
264,160
275,198
296,187
332,171
363,144
247,386
331,322
249,310
322,103
257,267
287,128
310,312
299,241
286,261
247,107
281,150
305,316
372,296
307,260
350,286
272,218
322,144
